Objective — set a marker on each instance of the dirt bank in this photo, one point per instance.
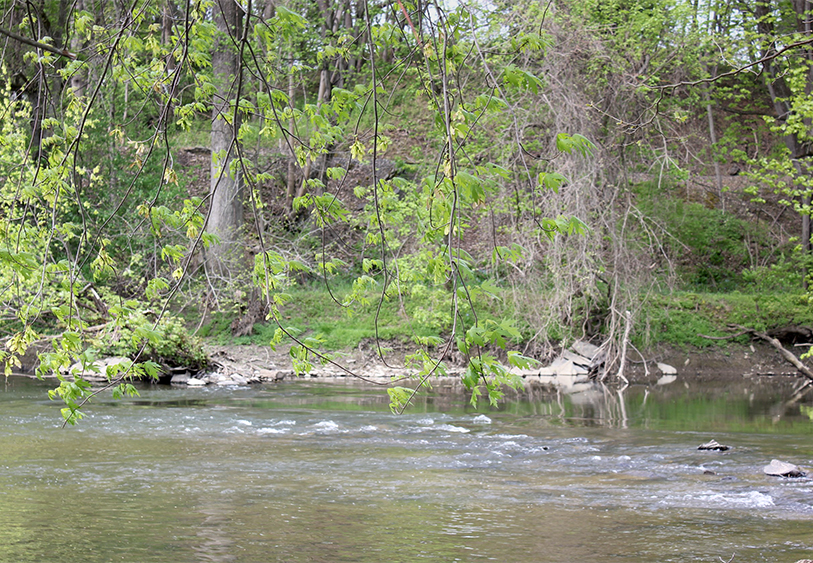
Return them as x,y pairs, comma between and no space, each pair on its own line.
717,364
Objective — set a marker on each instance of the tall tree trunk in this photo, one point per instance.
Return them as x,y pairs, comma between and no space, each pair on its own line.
166,39
291,187
226,213
718,176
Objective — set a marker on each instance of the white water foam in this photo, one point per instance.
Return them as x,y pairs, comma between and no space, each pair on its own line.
711,499
452,428
326,426
273,430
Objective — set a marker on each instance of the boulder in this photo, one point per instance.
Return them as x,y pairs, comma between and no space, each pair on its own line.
564,366
577,359
713,446
98,370
666,369
783,469
585,349
180,378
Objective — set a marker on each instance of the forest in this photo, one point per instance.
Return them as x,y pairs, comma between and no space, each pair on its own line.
474,181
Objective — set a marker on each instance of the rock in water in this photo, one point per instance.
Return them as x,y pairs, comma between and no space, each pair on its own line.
713,446
666,369
782,469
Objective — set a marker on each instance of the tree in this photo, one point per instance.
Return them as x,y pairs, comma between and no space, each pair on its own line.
226,195
70,226
788,77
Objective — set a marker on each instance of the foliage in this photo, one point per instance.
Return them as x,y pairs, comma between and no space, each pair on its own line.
129,226
714,249
168,344
682,318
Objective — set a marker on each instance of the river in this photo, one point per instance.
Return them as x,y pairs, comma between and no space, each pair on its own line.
310,472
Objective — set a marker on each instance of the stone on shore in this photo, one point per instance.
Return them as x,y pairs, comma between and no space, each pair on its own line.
666,369
180,378
585,349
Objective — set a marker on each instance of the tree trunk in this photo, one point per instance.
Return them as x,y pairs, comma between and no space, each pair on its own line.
718,176
226,213
166,39
290,190
79,77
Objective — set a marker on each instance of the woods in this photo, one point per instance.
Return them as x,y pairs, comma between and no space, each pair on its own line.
506,177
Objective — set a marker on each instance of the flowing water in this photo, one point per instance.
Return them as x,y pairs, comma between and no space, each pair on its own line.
304,472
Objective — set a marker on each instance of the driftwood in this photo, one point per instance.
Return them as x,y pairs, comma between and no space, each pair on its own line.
788,355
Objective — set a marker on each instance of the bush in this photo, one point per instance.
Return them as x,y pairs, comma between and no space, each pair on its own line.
169,343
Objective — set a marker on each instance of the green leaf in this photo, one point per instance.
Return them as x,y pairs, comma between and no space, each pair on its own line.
520,361
552,181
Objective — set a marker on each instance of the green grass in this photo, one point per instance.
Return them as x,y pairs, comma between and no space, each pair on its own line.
313,312
680,318
677,319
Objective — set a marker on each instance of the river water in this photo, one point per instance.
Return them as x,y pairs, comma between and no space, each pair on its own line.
306,472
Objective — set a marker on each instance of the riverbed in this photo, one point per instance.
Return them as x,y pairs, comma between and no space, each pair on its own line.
321,472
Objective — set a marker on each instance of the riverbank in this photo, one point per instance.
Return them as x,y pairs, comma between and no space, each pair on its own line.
663,365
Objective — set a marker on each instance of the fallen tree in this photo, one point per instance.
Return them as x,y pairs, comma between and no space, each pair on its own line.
773,341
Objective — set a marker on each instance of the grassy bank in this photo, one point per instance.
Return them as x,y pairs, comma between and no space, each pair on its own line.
676,319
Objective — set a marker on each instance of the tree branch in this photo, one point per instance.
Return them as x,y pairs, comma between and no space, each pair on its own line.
38,45
789,356
736,71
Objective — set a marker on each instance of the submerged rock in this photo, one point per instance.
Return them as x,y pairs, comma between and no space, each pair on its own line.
783,469
713,446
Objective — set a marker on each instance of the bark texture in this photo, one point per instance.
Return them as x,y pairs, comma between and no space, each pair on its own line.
226,215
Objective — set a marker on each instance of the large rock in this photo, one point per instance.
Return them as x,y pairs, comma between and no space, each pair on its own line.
666,369
713,446
180,378
783,469
585,349
565,366
98,370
